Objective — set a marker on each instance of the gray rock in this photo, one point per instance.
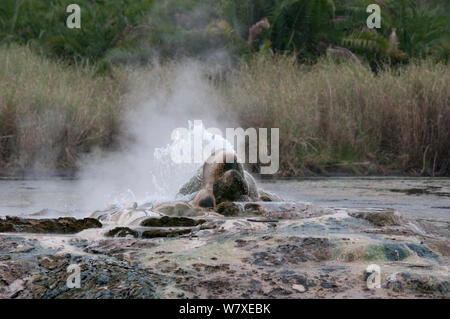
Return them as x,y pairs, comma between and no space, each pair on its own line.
231,186
228,209
195,184
63,225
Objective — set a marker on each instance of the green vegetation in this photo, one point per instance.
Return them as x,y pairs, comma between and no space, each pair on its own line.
62,89
140,30
42,25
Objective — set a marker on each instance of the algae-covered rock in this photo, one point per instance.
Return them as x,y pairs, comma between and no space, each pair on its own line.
122,232
422,251
373,252
386,251
380,219
395,252
167,221
63,225
228,209
6,227
253,209
231,186
164,233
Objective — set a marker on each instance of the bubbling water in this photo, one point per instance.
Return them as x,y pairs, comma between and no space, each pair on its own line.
166,175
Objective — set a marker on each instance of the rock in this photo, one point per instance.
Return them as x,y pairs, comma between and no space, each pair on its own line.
422,251
328,269
167,221
204,198
179,209
6,227
215,168
253,209
231,186
379,218
226,258
13,289
164,233
122,232
299,288
228,209
63,225
386,251
327,285
52,262
295,250
417,283
395,252
263,220
47,279
102,280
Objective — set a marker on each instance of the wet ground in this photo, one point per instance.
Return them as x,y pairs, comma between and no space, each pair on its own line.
286,250
424,197
323,244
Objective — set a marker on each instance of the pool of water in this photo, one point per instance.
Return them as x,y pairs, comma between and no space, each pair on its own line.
423,197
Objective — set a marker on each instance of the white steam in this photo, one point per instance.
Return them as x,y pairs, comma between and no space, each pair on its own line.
160,99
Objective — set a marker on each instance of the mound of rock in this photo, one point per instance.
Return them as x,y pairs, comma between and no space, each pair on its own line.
379,218
63,225
167,221
220,180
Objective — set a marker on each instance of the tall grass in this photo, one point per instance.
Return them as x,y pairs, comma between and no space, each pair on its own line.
50,112
330,115
337,114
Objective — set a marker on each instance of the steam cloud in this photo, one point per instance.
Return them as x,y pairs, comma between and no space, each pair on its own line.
160,99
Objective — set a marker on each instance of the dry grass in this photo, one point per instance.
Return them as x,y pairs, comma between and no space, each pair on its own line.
330,115
50,112
336,115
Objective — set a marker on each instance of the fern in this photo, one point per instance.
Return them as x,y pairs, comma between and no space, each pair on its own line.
364,41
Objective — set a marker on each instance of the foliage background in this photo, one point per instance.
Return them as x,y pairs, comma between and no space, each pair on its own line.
390,113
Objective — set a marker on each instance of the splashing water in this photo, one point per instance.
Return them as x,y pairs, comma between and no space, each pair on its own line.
166,175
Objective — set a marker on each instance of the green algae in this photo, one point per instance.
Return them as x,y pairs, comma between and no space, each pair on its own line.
122,232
